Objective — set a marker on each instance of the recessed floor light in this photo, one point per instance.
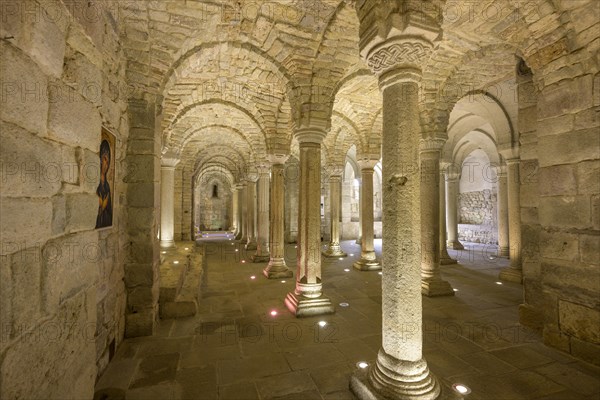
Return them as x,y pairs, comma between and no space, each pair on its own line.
187,248
163,252
175,262
344,304
380,273
346,270
273,313
237,250
456,290
253,277
282,281
322,323
460,388
351,255
362,364
498,283
243,261
341,258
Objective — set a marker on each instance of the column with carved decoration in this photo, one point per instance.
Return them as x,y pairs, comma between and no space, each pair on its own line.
396,41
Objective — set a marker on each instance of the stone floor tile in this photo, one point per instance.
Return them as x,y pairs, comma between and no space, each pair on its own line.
238,391
341,395
486,363
196,383
233,371
572,378
521,356
316,355
332,378
155,369
285,384
162,391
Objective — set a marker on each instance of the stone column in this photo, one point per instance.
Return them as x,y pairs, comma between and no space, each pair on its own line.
452,180
262,240
335,197
514,272
503,238
251,215
368,260
167,205
359,237
277,268
432,283
234,211
400,371
308,298
445,258
243,208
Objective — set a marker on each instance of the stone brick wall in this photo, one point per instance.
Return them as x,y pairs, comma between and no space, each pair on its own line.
62,295
213,213
560,189
478,217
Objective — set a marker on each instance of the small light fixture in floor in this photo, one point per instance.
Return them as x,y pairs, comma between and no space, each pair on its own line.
456,290
322,323
282,281
243,261
273,313
492,257
498,283
187,248
346,270
362,364
344,304
236,250
295,247
175,262
380,273
460,388
351,255
163,252
341,258
253,277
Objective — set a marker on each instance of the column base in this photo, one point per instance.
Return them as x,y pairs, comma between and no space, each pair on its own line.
390,378
445,258
503,252
260,258
277,269
358,240
334,251
436,287
251,246
302,306
511,274
367,265
165,244
363,390
455,245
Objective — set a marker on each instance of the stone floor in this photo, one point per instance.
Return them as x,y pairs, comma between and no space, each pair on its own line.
235,349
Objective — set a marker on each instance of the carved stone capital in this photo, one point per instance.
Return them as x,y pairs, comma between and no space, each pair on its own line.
310,135
431,145
509,152
277,158
404,53
169,162
367,163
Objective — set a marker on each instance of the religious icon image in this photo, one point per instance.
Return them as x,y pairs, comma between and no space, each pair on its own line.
105,188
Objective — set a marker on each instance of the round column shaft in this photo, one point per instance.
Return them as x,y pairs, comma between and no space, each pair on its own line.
234,212
432,283
514,273
503,237
452,179
251,215
167,204
335,197
308,299
277,267
243,195
445,258
368,260
262,240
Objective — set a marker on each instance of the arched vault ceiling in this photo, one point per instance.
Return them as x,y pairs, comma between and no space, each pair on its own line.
192,122
300,50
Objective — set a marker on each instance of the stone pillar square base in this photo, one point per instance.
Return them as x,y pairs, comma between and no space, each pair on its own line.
436,287
302,306
260,259
333,252
250,246
363,390
447,261
455,245
511,275
277,273
503,252
166,244
367,265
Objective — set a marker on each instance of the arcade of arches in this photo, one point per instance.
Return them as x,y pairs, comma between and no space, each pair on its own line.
409,131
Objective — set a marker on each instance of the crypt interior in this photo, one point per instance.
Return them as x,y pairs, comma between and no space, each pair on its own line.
300,199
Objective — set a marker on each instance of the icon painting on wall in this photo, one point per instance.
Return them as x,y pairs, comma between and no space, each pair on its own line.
106,185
